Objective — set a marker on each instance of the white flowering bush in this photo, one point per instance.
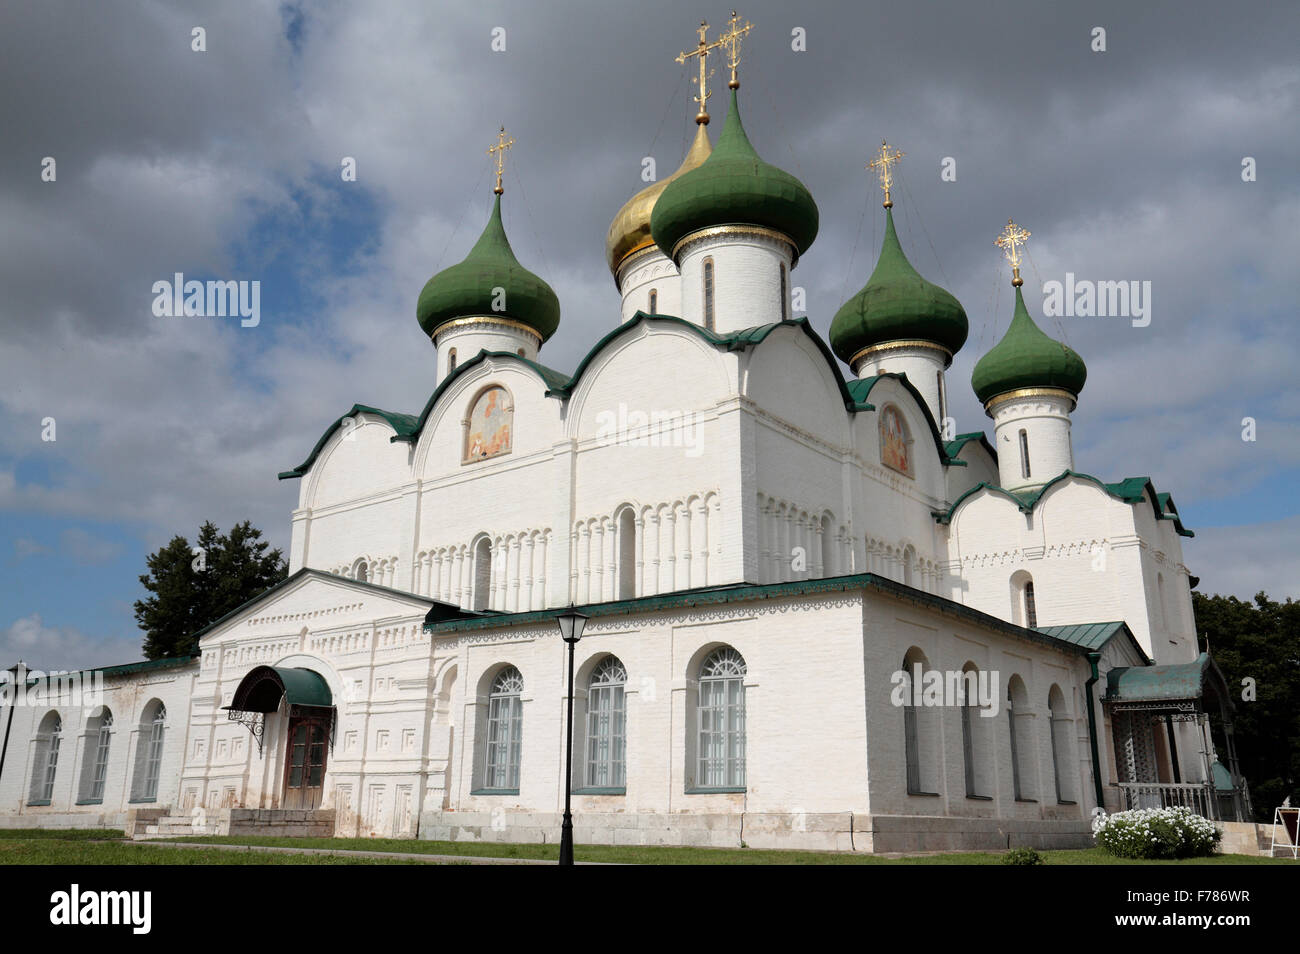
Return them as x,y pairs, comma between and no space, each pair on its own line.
1156,833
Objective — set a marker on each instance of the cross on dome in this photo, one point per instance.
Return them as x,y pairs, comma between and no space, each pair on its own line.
502,144
1011,240
884,161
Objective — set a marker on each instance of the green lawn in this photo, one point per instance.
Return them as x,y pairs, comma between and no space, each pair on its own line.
21,846
89,847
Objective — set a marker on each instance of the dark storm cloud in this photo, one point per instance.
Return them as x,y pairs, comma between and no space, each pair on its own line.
1124,165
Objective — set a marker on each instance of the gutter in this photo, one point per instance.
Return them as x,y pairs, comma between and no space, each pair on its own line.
1093,659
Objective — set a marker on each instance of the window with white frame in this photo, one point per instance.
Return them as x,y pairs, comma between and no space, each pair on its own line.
505,731
101,742
149,754
46,763
721,720
607,726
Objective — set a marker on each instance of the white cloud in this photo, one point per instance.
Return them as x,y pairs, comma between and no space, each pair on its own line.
1240,561
62,647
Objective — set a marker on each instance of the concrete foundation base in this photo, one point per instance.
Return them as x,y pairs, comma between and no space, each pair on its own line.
843,831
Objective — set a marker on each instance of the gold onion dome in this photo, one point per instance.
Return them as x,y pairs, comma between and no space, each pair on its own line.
630,230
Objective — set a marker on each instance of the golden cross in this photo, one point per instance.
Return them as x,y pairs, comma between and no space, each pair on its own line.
731,40
702,51
884,162
1012,237
500,150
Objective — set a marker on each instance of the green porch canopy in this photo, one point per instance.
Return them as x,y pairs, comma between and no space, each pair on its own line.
1151,685
264,686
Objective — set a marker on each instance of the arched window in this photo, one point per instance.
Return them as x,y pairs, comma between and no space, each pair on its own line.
1024,607
626,554
482,596
920,729
149,752
785,295
708,293
46,762
975,737
521,352
909,559
489,424
607,726
1031,608
451,360
360,571
1022,774
942,390
1024,453
504,731
1015,747
94,770
654,301
1062,754
720,717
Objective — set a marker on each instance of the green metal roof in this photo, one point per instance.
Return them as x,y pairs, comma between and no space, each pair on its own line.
734,341
1177,681
734,187
897,304
550,377
954,447
860,388
1094,636
470,288
1132,490
127,669
303,687
746,592
400,423
1027,358
407,428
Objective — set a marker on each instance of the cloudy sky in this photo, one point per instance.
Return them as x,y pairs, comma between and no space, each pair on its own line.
225,164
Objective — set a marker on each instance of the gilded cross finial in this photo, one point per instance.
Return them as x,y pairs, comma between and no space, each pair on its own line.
499,150
731,40
885,162
1011,240
702,51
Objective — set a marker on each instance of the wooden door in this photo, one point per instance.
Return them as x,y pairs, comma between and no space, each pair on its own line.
304,770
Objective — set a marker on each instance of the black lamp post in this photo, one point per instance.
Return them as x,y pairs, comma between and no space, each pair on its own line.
571,625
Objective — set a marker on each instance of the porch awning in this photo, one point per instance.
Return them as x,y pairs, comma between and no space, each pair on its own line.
1148,686
264,686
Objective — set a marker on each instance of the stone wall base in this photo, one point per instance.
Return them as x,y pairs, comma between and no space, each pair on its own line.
271,822
87,819
840,831
1248,838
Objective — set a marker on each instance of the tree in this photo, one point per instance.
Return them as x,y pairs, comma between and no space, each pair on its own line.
192,587
1259,642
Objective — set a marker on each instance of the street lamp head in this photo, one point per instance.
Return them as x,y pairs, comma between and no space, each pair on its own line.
571,624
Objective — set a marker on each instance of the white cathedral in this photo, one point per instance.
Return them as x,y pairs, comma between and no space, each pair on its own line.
762,545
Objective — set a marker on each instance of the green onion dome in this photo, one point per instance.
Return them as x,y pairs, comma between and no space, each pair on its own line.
469,289
897,304
1027,358
734,187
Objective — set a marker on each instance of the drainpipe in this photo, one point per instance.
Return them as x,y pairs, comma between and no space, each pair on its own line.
19,674
1093,659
